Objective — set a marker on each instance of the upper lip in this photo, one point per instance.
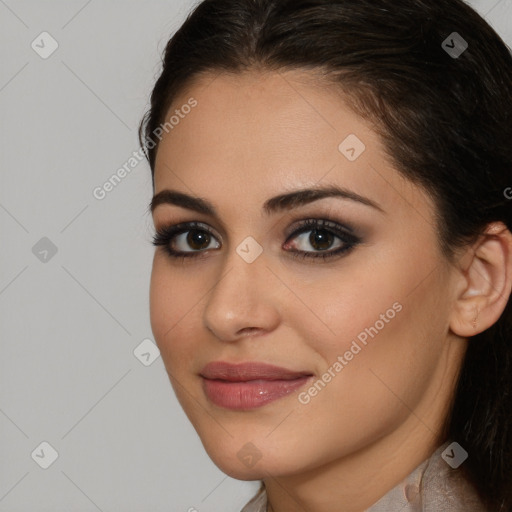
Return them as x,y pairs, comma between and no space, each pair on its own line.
243,372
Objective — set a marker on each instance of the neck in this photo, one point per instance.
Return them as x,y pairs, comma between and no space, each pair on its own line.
354,482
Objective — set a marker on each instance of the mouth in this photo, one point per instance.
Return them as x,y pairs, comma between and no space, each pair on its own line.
249,385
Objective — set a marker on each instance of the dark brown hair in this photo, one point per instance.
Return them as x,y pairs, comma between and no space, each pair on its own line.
446,122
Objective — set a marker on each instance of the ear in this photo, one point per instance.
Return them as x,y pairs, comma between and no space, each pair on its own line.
485,282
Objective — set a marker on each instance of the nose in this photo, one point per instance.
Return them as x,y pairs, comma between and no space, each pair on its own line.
243,301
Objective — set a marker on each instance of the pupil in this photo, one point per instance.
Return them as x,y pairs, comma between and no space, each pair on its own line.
198,239
317,239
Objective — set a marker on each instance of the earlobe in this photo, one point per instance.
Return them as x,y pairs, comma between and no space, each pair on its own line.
475,326
486,282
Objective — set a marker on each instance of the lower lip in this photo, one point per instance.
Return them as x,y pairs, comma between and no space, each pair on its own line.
250,394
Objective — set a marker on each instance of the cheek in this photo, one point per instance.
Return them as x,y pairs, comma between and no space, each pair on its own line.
370,392
340,309
383,325
161,306
172,302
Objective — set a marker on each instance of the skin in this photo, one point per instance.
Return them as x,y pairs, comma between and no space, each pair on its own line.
256,135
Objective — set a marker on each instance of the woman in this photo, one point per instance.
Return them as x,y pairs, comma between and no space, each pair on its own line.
331,288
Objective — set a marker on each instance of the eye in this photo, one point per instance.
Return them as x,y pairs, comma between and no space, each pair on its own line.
177,239
190,239
321,235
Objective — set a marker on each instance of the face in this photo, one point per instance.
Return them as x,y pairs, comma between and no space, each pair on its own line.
347,295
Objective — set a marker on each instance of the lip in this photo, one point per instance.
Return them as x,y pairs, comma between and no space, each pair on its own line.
249,385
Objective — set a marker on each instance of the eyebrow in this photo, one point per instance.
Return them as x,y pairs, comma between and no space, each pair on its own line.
275,204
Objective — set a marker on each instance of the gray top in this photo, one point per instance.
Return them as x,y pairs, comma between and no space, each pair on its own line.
434,486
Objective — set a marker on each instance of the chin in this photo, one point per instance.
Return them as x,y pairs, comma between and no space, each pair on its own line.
236,467
249,463
247,475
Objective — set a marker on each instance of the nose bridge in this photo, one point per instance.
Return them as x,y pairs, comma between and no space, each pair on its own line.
241,298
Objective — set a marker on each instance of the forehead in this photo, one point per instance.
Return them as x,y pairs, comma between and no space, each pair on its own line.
265,132
263,108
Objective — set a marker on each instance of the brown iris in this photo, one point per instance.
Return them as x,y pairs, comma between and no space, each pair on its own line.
320,239
198,239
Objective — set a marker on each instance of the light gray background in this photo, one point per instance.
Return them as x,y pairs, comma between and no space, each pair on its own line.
70,324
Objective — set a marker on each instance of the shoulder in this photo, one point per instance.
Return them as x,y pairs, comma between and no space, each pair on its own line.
258,503
443,485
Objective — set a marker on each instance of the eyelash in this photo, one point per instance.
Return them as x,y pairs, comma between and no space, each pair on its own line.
165,236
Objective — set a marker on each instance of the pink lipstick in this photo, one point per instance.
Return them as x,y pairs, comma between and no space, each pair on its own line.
249,385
